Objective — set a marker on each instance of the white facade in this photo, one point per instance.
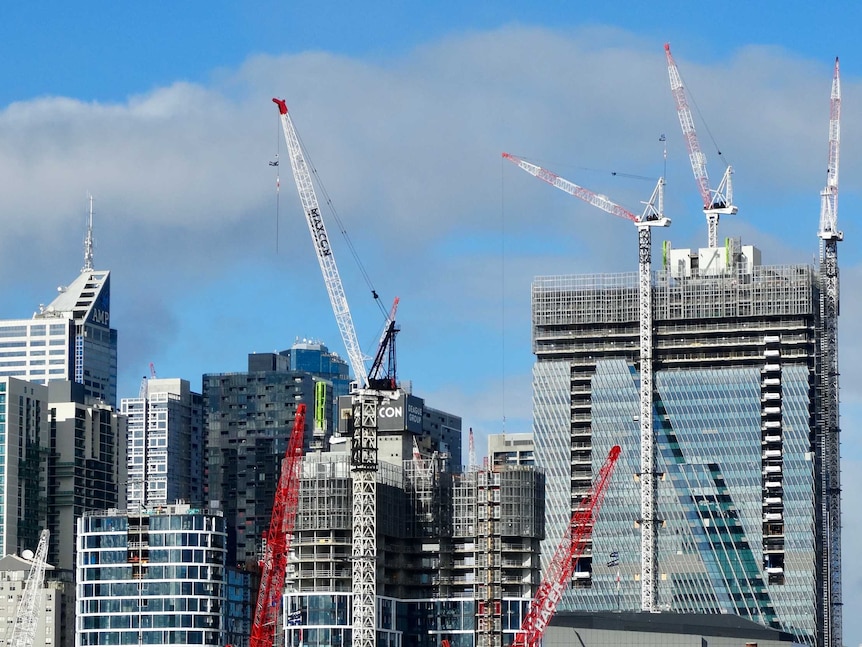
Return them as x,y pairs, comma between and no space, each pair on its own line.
165,444
69,339
151,577
13,581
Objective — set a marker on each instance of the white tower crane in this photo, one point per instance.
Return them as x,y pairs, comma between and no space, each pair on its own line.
26,616
830,478
652,216
365,402
715,201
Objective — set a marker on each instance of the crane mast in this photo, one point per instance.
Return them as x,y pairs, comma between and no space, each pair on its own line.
365,404
281,525
715,201
24,629
652,216
830,477
559,574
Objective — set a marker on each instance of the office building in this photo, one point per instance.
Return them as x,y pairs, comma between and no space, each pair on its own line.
249,417
151,577
165,455
24,433
70,338
736,355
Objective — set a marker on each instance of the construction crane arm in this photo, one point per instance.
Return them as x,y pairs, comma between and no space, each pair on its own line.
595,199
27,614
386,348
317,228
829,201
281,525
559,573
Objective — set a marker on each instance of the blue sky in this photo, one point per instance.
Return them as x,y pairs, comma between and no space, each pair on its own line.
162,110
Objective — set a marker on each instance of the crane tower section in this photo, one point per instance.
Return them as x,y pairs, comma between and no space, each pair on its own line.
652,216
830,477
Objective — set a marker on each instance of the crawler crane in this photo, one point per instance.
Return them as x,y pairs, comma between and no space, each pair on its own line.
653,216
559,574
281,525
26,616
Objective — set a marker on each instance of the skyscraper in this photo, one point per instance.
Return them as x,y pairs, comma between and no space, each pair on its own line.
69,339
738,428
249,417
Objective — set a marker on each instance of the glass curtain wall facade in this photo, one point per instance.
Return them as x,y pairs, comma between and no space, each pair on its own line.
151,578
735,425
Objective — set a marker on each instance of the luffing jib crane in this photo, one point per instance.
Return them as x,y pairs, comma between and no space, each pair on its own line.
830,484
652,216
281,525
317,228
26,616
559,574
716,202
365,403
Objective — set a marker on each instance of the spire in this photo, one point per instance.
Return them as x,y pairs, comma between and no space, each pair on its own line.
88,241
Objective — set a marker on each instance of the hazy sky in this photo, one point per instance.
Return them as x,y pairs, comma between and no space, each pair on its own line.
162,111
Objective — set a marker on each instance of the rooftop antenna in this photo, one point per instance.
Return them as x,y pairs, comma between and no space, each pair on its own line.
88,241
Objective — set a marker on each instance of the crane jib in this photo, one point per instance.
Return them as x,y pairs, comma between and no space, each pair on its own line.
319,230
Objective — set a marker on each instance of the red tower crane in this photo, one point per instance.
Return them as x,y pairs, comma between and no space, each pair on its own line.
281,526
559,573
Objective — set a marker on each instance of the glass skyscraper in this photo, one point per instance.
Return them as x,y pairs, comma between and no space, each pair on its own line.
736,355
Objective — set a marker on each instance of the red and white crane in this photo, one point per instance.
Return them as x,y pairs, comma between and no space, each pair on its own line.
559,574
716,202
365,403
830,236
652,216
281,525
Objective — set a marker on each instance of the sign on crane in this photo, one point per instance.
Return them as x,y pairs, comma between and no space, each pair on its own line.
718,201
281,525
365,403
652,216
559,574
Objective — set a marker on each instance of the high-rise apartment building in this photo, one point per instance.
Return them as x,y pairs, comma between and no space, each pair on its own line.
70,338
165,455
737,424
457,553
151,577
249,417
85,466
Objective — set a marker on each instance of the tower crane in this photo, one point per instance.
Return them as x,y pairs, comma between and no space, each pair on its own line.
830,446
559,573
365,402
281,525
24,629
716,202
652,216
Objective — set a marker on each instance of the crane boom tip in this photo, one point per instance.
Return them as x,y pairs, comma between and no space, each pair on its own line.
282,105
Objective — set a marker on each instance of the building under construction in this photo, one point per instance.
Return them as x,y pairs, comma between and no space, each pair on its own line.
740,435
457,552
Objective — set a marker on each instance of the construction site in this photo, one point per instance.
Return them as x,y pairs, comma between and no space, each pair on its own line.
707,380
